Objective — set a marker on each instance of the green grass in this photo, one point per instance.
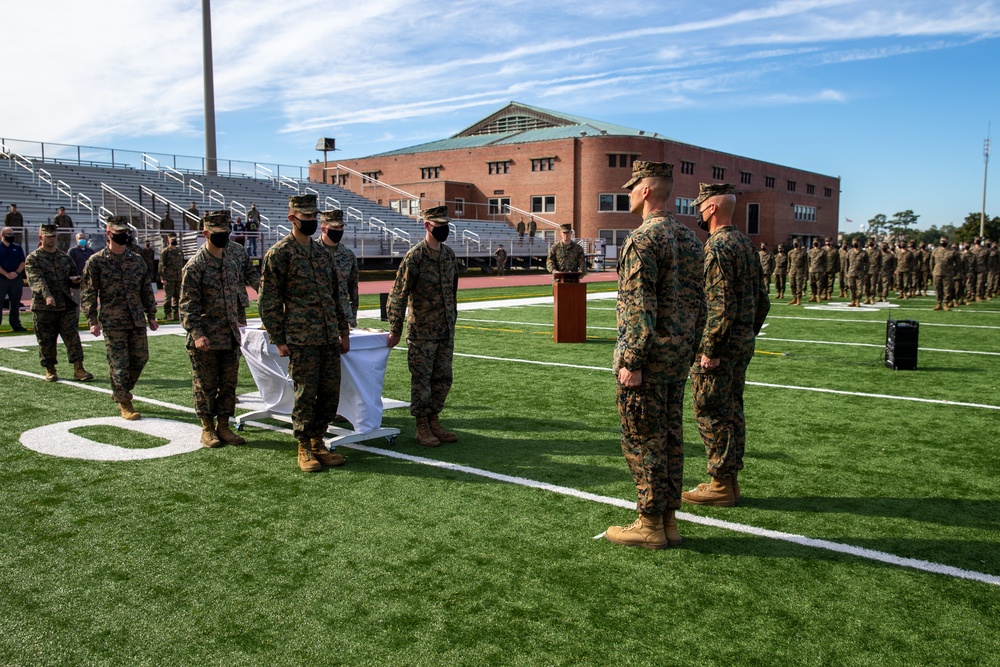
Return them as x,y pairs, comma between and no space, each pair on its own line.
233,556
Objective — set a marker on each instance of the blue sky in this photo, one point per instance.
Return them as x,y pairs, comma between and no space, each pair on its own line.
893,96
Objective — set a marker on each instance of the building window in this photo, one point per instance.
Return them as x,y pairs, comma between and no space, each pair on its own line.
543,164
791,186
373,175
753,219
684,206
499,205
430,172
745,177
501,167
609,202
543,204
342,180
810,189
687,167
827,192
719,173
613,237
459,206
805,213
769,181
621,159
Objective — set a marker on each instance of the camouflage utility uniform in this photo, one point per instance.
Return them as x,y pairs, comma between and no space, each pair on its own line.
171,266
119,283
942,271
780,272
566,257
49,273
887,272
236,255
766,266
300,308
346,264
798,272
426,284
817,273
661,313
856,268
737,306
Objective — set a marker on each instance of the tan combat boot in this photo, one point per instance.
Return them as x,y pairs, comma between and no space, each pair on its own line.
208,437
50,374
719,493
324,455
128,412
647,531
674,538
424,435
226,435
736,488
439,431
308,462
792,302
80,373
946,308
937,307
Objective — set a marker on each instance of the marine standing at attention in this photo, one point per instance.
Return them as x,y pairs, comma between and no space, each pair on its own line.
116,279
798,272
427,283
856,267
171,267
300,307
766,265
780,271
943,270
565,255
332,226
661,313
53,275
737,305
817,273
210,309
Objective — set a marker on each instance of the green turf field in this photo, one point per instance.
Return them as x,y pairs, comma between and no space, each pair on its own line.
233,556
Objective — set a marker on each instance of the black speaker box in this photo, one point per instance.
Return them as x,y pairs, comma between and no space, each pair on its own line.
901,344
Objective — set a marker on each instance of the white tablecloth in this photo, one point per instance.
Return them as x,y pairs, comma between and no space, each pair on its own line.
362,373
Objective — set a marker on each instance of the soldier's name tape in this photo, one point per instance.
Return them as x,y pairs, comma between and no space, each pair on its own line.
802,540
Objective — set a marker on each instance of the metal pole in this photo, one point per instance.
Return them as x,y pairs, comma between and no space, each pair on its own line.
206,33
986,166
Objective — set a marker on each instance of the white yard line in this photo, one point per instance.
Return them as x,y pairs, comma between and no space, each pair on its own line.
859,552
878,322
764,339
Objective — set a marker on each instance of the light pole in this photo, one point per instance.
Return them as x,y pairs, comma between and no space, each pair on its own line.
986,166
206,40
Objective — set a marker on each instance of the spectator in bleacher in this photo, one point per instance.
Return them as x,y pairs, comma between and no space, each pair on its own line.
80,253
52,273
193,217
239,231
332,224
501,257
64,222
149,257
253,229
520,230
166,224
426,284
532,229
11,276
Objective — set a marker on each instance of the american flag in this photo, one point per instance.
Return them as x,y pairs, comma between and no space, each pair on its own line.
848,220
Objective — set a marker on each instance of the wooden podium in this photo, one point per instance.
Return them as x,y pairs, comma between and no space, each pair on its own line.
570,308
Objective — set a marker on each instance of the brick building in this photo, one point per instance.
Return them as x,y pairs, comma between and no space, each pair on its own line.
564,168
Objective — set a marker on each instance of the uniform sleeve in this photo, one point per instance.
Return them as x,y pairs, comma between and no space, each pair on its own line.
637,295
721,307
406,278
343,324
146,292
36,277
269,301
190,306
89,287
352,287
550,260
763,305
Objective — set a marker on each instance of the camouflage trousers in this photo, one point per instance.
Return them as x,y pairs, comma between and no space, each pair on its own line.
871,285
718,409
214,374
817,283
856,286
128,352
315,373
171,297
903,283
653,442
767,281
943,289
982,284
49,325
831,280
798,283
779,282
886,286
958,288
430,375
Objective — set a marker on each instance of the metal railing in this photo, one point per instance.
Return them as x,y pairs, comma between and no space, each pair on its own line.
260,170
170,172
86,202
331,203
284,181
196,186
214,196
150,161
45,177
63,188
513,209
472,237
356,214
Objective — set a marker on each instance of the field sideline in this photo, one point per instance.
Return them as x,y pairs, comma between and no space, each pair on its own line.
482,552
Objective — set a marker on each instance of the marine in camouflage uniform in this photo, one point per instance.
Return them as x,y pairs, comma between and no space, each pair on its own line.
237,255
904,267
966,273
780,271
210,313
766,265
660,314
737,305
332,224
64,238
501,259
873,275
565,255
171,266
424,295
856,267
993,284
300,307
116,279
798,272
888,272
980,270
843,253
832,254
817,273
942,270
52,275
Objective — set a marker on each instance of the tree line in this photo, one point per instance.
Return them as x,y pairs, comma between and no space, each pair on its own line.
902,227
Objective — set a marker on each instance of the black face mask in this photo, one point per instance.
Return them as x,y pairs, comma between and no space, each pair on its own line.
219,239
440,233
335,235
9,238
121,238
307,227
173,242
702,222
944,244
